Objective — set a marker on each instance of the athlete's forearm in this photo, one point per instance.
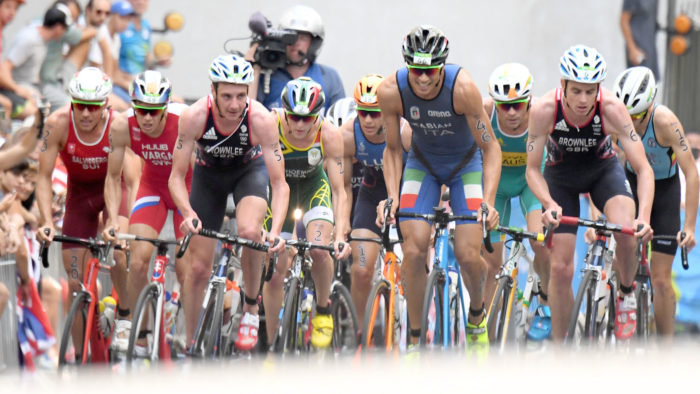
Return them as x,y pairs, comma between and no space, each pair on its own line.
113,197
538,186
492,171
341,215
392,166
43,199
645,193
279,205
692,184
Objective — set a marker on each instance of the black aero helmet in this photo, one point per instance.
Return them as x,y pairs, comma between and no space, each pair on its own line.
425,45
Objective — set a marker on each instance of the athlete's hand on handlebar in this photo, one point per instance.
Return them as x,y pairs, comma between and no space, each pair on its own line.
380,213
491,219
689,240
342,248
187,225
110,231
646,233
46,233
549,218
277,244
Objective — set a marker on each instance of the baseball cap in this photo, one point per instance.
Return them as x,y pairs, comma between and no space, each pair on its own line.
122,8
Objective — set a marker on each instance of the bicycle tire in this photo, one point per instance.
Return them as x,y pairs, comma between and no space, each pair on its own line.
373,335
206,338
643,315
345,324
459,322
431,334
584,297
286,338
80,303
498,311
142,316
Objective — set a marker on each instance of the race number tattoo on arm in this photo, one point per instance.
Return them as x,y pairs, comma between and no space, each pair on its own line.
45,139
633,134
681,140
179,141
481,127
531,144
276,151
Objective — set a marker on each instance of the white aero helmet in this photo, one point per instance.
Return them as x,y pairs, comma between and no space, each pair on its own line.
509,82
305,19
90,84
150,87
636,87
341,111
231,69
582,64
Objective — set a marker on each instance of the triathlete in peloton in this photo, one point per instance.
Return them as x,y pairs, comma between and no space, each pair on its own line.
307,142
576,123
451,135
237,147
667,149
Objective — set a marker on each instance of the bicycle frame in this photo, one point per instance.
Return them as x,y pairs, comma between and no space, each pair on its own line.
160,263
93,336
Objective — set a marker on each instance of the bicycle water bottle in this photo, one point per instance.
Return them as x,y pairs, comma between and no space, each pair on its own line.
107,307
172,303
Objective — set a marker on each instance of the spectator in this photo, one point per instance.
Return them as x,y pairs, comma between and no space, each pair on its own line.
28,50
8,99
301,60
638,24
135,54
55,73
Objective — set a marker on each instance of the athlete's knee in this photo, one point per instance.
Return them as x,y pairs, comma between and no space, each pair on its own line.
138,267
413,252
561,272
199,273
469,256
319,256
361,275
250,231
662,284
50,290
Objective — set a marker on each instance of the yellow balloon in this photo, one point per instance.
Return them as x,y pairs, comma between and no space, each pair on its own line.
174,21
162,49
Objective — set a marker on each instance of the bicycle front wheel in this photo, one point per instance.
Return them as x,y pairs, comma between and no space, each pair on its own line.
376,317
143,326
345,324
431,318
498,319
582,321
643,295
286,338
208,337
70,352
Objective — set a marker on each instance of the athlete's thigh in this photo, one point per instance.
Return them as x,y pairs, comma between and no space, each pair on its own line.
208,196
139,249
466,193
416,235
250,213
318,231
74,262
467,241
364,253
420,191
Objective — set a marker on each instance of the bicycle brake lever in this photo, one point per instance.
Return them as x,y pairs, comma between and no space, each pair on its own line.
484,230
684,253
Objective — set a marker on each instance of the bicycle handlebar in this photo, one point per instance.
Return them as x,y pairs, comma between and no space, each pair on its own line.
154,241
233,239
304,244
186,241
520,234
441,218
598,225
88,242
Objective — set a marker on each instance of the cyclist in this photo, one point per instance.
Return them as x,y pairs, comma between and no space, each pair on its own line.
575,123
450,131
237,151
364,140
79,133
510,90
307,142
150,130
666,149
300,60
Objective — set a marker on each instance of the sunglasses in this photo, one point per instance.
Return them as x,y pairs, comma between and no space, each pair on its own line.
143,111
639,115
517,105
374,114
301,118
427,70
80,106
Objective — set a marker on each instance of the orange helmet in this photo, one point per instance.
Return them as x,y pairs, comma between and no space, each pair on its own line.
366,91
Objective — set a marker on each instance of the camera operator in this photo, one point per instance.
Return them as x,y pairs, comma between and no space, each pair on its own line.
300,60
